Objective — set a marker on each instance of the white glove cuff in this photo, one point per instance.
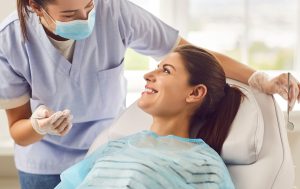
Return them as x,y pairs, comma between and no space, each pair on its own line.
36,127
258,80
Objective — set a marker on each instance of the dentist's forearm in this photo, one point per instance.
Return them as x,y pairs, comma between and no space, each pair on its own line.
20,127
23,133
233,69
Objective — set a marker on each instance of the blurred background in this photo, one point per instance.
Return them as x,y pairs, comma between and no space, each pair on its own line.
264,34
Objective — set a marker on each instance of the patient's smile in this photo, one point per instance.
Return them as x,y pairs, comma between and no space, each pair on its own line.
149,90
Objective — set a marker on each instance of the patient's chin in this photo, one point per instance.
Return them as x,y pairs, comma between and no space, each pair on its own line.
144,105
141,104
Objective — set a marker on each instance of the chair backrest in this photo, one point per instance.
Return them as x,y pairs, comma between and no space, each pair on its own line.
262,157
274,167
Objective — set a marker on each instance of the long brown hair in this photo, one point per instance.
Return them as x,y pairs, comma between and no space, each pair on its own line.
221,103
24,10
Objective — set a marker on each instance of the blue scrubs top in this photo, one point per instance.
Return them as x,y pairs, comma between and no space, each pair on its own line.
92,87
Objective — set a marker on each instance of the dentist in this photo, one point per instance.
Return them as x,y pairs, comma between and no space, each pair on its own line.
61,76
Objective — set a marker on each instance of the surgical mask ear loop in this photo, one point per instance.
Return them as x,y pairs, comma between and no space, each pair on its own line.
46,20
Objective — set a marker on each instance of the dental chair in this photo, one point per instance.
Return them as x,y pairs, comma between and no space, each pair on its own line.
256,151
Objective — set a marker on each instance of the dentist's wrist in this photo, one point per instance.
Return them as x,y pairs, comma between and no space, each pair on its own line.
36,127
259,80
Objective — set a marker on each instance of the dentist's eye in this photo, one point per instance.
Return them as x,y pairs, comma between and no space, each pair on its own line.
66,18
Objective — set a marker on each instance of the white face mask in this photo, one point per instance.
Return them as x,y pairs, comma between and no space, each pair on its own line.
76,29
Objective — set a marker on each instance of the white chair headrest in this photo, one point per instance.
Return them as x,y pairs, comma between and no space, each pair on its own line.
244,142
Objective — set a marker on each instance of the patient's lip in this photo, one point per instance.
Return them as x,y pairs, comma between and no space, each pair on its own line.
149,90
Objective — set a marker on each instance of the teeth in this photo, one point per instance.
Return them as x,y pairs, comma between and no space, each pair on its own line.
150,91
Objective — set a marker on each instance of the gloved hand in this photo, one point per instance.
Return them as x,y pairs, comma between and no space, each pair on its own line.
279,84
45,121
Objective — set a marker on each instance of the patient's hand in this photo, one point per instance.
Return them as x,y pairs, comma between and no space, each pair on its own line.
279,84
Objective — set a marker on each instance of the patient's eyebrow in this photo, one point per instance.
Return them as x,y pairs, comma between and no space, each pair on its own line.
164,65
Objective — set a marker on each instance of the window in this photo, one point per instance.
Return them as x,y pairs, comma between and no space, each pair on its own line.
272,34
217,25
136,65
262,33
6,143
133,60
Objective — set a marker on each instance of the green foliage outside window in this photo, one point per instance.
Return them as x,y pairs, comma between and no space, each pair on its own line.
265,58
262,57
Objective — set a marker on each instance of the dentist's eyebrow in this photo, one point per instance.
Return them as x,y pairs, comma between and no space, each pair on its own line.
68,11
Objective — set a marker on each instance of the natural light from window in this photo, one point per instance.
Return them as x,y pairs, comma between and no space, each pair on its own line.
264,34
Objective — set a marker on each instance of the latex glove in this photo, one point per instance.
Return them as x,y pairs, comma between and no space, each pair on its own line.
279,84
45,121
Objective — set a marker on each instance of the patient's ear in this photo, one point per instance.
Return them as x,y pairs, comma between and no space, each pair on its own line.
197,93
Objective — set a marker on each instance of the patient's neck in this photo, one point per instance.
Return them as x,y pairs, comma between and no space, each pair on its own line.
178,126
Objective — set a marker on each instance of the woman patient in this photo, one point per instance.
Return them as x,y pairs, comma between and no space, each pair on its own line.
192,109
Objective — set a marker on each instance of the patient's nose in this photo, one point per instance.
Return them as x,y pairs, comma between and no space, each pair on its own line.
150,76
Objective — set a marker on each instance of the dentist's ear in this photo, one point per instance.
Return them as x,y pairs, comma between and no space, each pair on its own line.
35,7
197,94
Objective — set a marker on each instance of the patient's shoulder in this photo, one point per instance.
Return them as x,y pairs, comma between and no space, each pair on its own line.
121,143
204,153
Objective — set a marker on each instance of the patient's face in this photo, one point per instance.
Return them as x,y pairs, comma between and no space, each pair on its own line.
167,88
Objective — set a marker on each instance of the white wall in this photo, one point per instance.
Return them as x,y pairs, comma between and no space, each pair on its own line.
6,150
3,125
6,8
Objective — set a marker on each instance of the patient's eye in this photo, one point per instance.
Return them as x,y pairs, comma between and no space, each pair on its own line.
166,70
